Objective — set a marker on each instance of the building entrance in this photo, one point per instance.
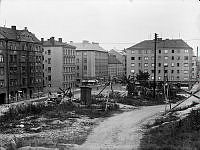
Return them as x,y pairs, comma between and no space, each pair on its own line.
2,98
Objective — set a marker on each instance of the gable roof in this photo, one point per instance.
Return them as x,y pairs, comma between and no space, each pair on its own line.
18,35
56,43
113,60
85,45
172,43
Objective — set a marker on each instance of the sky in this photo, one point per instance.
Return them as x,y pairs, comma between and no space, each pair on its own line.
113,23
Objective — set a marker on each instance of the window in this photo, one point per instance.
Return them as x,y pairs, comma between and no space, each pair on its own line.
132,58
178,77
146,51
132,51
152,57
152,65
85,67
146,65
172,51
178,64
159,64
178,71
165,51
152,77
159,78
132,71
85,60
172,71
185,71
132,64
152,71
139,58
166,57
49,69
49,78
186,50
1,71
159,57
1,83
172,57
139,64
85,53
77,60
159,51
185,57
172,64
146,58
185,64
49,60
77,67
49,52
145,70
178,57
165,64
1,58
159,71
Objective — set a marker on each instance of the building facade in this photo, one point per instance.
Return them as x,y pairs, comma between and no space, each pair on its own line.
115,67
91,61
173,57
59,65
121,56
21,72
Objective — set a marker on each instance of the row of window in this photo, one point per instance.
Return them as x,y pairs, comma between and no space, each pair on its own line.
15,46
171,78
68,78
166,51
159,58
165,71
69,60
160,65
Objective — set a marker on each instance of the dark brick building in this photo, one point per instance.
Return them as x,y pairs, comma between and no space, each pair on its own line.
21,64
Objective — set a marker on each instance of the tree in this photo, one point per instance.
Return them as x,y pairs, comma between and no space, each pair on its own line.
142,78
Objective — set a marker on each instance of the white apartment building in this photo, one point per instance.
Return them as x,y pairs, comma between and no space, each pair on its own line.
173,56
59,64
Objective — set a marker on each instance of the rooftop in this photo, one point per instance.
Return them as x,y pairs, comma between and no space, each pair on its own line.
168,43
18,35
53,43
113,60
86,45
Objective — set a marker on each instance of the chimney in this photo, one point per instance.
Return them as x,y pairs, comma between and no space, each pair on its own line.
60,40
52,41
85,42
71,42
42,40
13,27
95,43
25,28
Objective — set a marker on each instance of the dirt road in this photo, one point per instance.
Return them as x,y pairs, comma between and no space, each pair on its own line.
122,131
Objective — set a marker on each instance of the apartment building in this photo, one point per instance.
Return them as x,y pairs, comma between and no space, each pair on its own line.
115,67
91,61
59,65
21,72
121,56
174,57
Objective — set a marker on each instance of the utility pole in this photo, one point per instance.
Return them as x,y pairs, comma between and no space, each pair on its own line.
8,72
154,86
197,65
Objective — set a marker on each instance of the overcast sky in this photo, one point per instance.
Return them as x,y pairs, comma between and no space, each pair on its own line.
114,23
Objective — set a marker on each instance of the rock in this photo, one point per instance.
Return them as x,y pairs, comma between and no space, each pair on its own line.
57,122
38,129
21,126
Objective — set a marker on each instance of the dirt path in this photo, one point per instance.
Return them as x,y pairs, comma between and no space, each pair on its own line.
122,131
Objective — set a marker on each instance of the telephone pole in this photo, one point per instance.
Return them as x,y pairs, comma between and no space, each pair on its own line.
154,83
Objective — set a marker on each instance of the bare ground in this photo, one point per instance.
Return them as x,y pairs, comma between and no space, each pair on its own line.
122,131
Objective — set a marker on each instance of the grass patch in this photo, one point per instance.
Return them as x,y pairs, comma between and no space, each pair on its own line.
176,135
